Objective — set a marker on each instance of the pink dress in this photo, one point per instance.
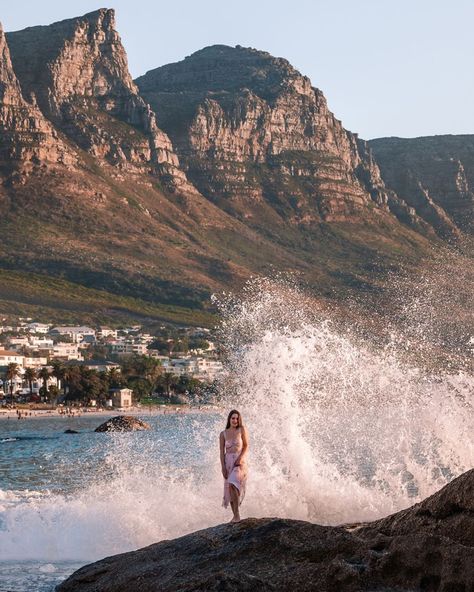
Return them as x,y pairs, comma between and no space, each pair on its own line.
236,475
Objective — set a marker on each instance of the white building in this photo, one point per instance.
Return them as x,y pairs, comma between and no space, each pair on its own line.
35,363
121,397
38,328
11,357
103,332
128,348
41,343
75,333
67,351
197,367
17,343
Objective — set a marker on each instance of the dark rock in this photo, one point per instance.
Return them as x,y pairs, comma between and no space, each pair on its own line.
71,432
447,513
427,547
123,423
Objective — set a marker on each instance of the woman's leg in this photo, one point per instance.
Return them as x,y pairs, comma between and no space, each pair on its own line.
234,503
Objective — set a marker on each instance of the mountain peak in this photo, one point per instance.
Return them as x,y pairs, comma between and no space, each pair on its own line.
222,68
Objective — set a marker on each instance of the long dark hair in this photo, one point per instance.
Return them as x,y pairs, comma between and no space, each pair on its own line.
241,423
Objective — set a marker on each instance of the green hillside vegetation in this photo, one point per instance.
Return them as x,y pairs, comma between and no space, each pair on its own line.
59,301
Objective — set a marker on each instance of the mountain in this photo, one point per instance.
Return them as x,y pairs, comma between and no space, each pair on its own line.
435,175
76,70
185,182
258,139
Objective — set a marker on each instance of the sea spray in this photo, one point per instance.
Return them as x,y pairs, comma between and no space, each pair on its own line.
340,430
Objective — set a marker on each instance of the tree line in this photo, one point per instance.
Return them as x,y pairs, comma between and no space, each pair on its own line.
142,374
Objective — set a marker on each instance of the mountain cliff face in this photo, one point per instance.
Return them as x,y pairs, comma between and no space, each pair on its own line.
26,137
435,175
76,70
248,172
253,134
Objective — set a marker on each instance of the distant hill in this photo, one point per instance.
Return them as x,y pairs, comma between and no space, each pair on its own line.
433,174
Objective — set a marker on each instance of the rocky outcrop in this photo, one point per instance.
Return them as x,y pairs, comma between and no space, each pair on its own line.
250,128
123,423
435,175
76,70
449,513
428,547
281,175
26,137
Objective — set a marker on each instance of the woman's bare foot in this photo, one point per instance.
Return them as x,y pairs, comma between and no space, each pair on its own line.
235,519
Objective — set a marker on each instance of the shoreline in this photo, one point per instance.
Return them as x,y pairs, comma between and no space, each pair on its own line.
27,414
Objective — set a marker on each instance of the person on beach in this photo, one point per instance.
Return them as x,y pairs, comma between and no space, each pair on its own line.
233,448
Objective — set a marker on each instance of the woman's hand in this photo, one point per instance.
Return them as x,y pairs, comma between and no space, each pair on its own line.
224,472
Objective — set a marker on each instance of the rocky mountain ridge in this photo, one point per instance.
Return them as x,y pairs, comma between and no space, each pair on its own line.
76,71
252,132
27,137
435,173
236,168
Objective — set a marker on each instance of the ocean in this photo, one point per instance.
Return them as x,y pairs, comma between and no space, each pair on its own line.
340,431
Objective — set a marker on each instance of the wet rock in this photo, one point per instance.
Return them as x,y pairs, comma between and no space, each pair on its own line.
71,432
123,423
427,547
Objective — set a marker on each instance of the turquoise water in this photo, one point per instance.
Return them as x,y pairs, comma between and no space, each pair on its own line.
340,431
68,499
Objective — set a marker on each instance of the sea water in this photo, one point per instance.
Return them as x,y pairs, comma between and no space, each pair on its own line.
339,430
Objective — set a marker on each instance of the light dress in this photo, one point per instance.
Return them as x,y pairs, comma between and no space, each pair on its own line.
236,476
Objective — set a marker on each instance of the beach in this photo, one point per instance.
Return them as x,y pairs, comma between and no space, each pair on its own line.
71,412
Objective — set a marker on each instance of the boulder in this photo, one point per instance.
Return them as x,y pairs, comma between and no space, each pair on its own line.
427,547
123,423
68,431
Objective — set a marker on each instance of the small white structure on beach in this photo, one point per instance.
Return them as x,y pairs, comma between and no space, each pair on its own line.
121,397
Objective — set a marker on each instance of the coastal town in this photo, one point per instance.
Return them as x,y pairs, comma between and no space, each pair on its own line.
103,367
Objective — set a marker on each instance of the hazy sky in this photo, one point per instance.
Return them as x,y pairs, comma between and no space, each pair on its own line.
387,67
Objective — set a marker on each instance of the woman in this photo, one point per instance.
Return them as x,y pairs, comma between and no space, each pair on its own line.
233,445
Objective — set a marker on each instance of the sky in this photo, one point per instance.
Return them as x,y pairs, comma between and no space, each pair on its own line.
387,67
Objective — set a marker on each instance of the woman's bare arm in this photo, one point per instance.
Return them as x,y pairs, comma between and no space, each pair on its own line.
222,454
245,445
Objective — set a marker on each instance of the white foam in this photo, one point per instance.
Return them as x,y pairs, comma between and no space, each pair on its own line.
339,432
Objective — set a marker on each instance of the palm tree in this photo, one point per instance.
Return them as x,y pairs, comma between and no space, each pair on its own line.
60,372
30,375
44,375
169,380
13,370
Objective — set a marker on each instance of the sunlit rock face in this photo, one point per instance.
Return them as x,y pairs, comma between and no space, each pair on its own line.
250,129
433,174
76,70
26,137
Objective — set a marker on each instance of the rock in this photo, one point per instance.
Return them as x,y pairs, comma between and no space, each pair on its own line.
71,432
77,71
427,547
448,513
434,174
123,423
26,137
249,128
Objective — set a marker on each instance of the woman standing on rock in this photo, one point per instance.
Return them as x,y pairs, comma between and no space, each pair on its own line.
233,446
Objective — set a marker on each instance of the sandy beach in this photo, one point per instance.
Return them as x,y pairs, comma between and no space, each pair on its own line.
86,412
